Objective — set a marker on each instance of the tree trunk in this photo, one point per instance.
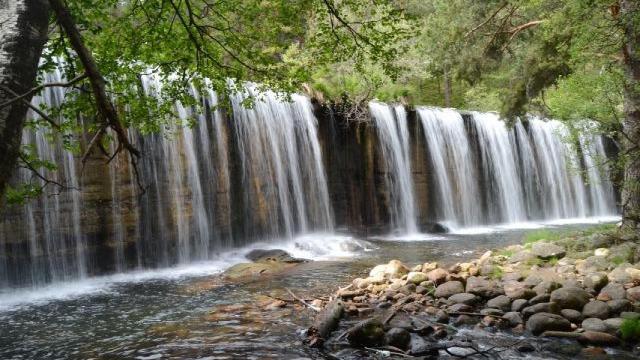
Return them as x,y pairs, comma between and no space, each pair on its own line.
630,16
23,33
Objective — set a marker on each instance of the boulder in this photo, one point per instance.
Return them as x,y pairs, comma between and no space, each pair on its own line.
620,274
595,281
397,337
539,299
549,307
592,264
541,322
449,288
633,293
416,277
393,270
513,318
618,306
483,287
437,276
594,324
547,251
612,291
428,266
598,338
501,302
369,332
570,298
244,271
613,324
518,304
572,315
596,309
518,290
277,255
546,287
464,298
520,256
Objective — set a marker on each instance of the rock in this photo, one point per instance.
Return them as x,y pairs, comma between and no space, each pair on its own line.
539,299
460,308
513,318
416,277
393,270
592,264
420,347
618,306
601,252
594,324
563,348
378,271
426,267
397,337
633,293
485,257
549,307
436,228
596,309
369,332
561,334
421,290
525,347
512,276
612,291
570,298
613,324
541,322
634,274
442,317
630,315
462,320
595,281
572,315
518,304
464,298
449,288
482,287
598,338
518,290
546,251
277,255
437,276
455,268
620,274
491,311
501,302
277,304
253,270
598,240
593,353
546,287
521,256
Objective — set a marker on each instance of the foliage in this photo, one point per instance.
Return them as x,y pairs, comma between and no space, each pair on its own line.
630,329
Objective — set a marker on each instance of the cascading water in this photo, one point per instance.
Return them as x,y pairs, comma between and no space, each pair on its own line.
391,125
453,167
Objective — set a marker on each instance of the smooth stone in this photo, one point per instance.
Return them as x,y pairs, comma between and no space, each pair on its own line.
464,320
260,255
596,309
620,305
619,274
613,324
513,318
598,338
601,252
572,315
483,287
501,302
594,324
570,298
521,256
464,298
420,347
416,277
421,290
547,251
437,276
493,312
397,337
596,281
449,288
442,317
460,308
612,291
541,322
518,290
549,307
633,294
518,304
369,332
542,298
546,287
631,315
428,266
592,264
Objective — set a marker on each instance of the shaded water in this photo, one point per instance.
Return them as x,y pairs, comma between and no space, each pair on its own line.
186,313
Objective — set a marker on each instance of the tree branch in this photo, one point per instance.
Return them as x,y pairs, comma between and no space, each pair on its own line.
40,87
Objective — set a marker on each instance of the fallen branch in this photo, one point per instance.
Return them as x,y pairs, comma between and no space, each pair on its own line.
314,308
325,322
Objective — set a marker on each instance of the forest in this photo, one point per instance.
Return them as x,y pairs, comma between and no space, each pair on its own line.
320,178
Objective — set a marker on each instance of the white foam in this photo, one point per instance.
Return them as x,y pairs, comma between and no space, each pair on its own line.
315,246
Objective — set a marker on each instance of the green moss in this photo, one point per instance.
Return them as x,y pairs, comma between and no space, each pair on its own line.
553,261
617,260
496,273
630,329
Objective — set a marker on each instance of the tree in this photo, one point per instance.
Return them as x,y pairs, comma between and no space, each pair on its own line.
106,45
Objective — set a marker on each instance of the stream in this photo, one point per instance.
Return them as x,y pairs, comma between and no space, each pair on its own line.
186,313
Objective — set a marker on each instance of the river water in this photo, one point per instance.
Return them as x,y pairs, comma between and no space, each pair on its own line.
188,313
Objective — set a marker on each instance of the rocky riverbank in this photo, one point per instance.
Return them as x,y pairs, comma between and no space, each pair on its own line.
579,290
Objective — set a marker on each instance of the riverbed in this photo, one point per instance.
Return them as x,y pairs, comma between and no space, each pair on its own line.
187,312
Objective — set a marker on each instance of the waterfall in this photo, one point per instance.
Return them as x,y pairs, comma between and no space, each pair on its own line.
453,169
391,125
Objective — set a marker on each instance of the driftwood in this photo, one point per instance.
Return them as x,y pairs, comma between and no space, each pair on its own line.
325,322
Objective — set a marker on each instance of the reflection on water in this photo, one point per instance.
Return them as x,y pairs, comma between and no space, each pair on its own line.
196,316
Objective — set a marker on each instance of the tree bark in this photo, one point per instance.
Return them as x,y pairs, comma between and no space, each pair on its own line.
630,17
23,33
